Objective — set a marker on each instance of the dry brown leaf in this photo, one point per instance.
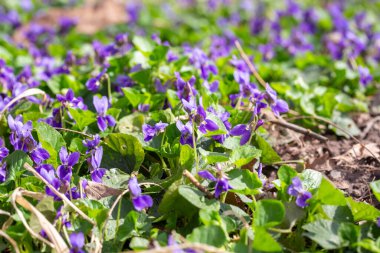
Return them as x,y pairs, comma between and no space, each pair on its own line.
358,152
56,241
98,191
320,163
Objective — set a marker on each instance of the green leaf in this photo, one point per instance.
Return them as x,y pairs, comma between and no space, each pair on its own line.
338,213
349,233
363,211
375,187
142,76
264,242
325,233
209,235
142,44
268,155
286,173
159,53
133,223
51,140
244,181
346,123
369,245
244,154
197,198
170,197
129,147
312,179
329,195
133,96
15,164
269,213
213,157
186,157
139,243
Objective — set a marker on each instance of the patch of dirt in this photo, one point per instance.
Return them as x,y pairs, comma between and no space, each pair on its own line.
91,17
349,165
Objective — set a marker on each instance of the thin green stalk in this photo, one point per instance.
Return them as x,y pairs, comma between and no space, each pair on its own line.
118,218
109,88
195,148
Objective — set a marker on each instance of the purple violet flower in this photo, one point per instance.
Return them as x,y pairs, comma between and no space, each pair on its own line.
242,130
296,190
66,24
278,105
97,173
64,171
3,172
77,242
39,155
121,39
101,106
21,134
139,201
92,144
69,100
222,184
151,131
186,133
93,83
48,172
365,76
3,150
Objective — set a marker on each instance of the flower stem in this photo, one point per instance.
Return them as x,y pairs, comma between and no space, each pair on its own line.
109,88
195,148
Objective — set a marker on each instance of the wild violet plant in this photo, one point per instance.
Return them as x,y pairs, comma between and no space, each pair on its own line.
162,140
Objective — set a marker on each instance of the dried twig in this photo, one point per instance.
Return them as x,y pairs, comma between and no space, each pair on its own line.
195,182
250,65
369,127
60,195
73,131
10,240
195,246
27,93
299,129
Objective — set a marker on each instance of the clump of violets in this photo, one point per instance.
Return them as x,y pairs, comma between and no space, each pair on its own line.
69,100
151,131
199,116
139,201
101,106
22,139
296,190
77,242
221,180
60,179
